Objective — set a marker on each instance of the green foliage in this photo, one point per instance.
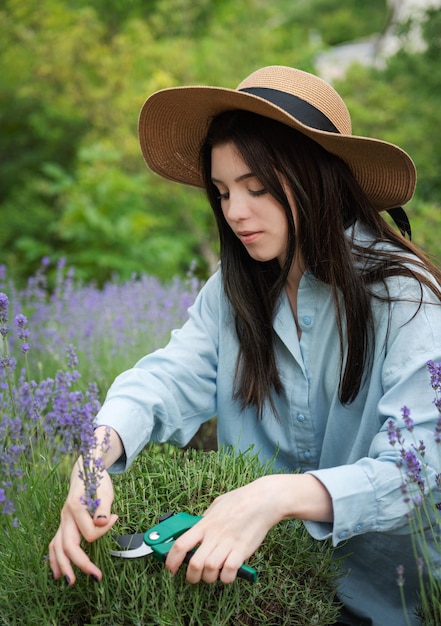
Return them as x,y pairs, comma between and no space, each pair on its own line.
296,575
338,22
404,97
104,208
418,76
74,75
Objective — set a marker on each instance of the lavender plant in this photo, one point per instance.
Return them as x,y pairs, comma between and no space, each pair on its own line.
424,505
111,328
41,422
51,415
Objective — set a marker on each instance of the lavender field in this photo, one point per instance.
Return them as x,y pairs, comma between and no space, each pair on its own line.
110,328
62,348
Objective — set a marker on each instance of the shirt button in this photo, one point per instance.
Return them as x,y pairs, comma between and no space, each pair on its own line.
307,454
307,320
301,417
358,528
343,534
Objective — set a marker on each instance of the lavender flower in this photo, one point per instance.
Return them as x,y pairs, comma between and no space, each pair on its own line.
4,308
72,359
393,433
408,421
435,375
421,449
417,501
7,363
21,322
435,381
404,491
400,575
412,468
438,431
6,504
23,332
438,485
93,469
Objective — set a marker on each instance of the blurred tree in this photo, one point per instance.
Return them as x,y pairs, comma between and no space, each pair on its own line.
405,99
60,94
114,222
338,22
74,75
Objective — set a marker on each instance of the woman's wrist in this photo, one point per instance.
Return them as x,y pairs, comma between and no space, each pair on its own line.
109,446
299,496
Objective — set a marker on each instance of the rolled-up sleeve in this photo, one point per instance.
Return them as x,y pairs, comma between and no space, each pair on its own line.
367,494
169,393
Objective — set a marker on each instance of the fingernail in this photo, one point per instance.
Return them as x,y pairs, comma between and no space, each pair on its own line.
101,516
95,578
67,579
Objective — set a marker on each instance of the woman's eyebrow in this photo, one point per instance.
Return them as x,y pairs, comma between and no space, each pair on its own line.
238,179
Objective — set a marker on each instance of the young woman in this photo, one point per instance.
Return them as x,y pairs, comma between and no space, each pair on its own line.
313,334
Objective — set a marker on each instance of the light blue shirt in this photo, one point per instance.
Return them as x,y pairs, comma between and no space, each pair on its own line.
170,393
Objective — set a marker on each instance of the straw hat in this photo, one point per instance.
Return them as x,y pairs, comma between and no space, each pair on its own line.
173,124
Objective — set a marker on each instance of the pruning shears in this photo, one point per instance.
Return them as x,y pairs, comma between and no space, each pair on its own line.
159,539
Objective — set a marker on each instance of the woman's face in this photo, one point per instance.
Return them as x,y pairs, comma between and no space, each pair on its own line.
255,217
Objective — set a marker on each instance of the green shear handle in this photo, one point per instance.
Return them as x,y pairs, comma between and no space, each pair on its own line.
161,537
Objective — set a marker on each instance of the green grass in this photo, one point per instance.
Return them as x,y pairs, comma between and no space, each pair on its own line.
296,575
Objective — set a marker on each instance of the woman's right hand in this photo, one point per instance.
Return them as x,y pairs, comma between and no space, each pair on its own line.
76,522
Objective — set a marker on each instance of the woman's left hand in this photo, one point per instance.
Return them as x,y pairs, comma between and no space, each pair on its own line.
232,528
235,525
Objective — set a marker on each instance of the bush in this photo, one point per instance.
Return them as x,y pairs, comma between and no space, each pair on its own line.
296,575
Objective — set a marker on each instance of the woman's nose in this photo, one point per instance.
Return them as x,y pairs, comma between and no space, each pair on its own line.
236,208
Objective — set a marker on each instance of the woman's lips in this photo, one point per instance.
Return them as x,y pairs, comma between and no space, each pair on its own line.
248,236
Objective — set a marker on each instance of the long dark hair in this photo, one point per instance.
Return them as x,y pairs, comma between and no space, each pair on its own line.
329,199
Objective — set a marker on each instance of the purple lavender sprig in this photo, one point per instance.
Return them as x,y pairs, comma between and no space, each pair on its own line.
72,421
6,362
23,332
408,421
410,461
435,381
435,375
49,418
93,469
394,433
413,468
422,502
4,310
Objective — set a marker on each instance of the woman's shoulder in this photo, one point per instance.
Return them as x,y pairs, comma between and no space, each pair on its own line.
404,271
212,294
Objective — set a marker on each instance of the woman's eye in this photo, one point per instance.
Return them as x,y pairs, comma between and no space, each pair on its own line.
253,192
258,192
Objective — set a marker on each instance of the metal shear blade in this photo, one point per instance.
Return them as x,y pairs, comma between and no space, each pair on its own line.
132,547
